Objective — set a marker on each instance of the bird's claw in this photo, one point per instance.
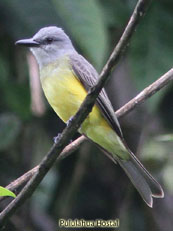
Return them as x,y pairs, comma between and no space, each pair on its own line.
56,138
69,120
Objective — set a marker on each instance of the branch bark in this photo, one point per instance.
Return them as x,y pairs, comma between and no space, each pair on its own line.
77,120
69,149
146,93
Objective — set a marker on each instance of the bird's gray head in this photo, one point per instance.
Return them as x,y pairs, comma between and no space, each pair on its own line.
48,44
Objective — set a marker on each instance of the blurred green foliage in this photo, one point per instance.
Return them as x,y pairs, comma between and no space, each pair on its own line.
9,130
78,187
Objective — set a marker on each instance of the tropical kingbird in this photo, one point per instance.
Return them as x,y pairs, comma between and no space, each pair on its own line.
66,77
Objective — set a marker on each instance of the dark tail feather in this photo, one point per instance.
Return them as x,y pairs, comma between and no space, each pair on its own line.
146,185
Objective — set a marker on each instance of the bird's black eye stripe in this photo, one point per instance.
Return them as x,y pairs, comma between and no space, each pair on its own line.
49,40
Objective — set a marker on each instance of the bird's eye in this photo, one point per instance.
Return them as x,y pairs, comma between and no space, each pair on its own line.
49,40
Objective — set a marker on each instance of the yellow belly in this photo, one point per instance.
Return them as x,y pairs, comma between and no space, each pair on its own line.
65,93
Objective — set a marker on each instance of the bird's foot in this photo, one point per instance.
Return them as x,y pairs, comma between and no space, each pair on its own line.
69,120
56,138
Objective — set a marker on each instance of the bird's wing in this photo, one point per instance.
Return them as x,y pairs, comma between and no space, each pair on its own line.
88,76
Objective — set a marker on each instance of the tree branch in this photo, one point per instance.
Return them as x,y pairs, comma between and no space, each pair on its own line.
77,120
69,149
146,93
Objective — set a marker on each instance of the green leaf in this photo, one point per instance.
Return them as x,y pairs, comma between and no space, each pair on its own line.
85,21
150,53
9,130
6,192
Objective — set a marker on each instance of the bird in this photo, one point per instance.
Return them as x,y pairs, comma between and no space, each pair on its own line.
66,77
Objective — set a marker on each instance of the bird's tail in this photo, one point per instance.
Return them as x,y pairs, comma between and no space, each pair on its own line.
146,185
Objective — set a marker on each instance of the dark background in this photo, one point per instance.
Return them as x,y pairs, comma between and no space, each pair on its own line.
87,184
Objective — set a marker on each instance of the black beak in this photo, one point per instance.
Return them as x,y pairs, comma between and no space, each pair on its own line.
27,42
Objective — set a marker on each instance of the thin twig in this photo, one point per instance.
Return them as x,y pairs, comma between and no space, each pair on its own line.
69,149
80,116
146,93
